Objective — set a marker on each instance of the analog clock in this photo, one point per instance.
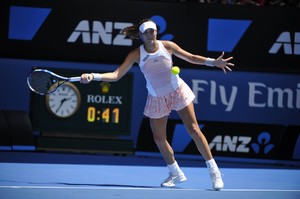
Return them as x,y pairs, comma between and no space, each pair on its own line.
65,101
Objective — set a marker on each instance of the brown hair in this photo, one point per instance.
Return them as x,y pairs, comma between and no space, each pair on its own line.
132,32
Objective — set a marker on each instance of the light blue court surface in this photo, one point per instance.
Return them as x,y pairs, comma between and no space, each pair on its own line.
107,181
60,181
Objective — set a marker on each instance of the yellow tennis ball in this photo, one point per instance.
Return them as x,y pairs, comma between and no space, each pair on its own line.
175,70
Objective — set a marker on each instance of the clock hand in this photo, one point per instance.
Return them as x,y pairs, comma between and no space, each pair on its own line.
61,103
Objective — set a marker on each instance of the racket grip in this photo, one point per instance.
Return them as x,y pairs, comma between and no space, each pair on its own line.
74,79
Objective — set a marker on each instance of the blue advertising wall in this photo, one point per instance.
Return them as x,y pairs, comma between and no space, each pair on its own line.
239,112
254,97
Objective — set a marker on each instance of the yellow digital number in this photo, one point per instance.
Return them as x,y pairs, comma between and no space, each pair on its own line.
115,117
105,115
91,114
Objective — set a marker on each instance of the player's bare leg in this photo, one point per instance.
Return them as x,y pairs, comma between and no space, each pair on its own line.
188,117
159,127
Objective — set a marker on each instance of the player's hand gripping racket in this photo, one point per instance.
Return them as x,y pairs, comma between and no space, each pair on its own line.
44,82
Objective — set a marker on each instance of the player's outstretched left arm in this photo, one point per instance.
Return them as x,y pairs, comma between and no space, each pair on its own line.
224,64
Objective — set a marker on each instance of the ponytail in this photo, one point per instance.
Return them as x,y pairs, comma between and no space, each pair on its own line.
133,31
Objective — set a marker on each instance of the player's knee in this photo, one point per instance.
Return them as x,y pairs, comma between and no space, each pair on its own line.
194,130
159,138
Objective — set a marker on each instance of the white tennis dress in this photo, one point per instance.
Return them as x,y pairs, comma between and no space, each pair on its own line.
166,92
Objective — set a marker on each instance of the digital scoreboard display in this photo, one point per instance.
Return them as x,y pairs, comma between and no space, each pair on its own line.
84,110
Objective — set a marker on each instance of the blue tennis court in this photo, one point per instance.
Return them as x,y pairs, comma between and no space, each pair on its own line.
135,177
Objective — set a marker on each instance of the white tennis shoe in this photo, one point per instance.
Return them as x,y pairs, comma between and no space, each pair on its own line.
216,178
172,180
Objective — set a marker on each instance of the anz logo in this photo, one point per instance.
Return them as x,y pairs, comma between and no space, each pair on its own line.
242,144
230,143
96,32
286,42
225,143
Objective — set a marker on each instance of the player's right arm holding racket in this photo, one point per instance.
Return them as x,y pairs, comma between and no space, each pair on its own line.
131,58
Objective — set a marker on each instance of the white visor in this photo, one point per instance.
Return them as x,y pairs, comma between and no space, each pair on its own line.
146,25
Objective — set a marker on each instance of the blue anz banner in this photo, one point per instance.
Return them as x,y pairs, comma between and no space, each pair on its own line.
90,31
225,139
252,97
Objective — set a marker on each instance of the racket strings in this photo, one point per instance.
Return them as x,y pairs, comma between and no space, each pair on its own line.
42,82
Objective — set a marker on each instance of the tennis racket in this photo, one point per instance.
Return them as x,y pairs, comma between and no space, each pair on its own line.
43,82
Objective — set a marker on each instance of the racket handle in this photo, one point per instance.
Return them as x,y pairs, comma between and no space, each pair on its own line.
74,79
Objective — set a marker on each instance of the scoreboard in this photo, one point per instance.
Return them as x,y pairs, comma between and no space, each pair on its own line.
97,109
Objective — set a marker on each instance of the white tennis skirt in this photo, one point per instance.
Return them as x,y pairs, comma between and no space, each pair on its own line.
158,107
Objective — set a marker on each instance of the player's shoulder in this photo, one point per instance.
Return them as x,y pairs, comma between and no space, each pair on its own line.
134,54
167,42
170,45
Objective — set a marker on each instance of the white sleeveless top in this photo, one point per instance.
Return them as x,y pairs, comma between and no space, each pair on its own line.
156,68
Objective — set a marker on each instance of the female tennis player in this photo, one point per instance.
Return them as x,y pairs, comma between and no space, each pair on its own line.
166,92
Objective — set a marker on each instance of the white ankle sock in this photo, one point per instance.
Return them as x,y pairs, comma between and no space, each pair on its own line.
174,168
211,164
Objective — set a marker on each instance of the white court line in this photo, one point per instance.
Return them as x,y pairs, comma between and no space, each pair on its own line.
142,188
262,190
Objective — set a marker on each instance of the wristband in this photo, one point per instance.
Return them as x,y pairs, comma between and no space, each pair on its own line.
97,76
209,62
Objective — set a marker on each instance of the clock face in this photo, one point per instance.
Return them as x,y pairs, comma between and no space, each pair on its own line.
65,101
